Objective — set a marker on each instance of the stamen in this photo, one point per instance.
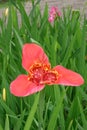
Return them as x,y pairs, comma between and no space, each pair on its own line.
34,66
46,67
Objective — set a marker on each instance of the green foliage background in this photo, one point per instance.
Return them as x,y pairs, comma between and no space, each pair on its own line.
65,43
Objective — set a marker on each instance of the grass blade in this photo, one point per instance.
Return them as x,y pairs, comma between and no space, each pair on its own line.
55,113
7,123
31,114
7,109
84,121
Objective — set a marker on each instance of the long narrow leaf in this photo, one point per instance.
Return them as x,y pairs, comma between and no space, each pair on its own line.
31,114
7,123
84,120
55,113
6,108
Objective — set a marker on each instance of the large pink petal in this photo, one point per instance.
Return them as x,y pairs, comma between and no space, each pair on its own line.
68,77
21,86
33,53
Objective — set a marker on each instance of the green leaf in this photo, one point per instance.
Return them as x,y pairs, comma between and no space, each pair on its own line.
31,114
18,37
24,16
14,17
69,50
84,120
61,118
1,127
73,113
18,124
55,113
7,123
6,108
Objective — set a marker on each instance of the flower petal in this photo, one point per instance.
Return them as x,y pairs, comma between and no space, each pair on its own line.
21,86
33,53
68,77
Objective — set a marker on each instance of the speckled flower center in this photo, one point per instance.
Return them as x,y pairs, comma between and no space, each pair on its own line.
42,74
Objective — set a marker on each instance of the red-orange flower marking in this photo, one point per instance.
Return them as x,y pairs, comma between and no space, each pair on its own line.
35,61
42,74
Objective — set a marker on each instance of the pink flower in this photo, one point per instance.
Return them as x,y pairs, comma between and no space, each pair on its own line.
36,63
54,12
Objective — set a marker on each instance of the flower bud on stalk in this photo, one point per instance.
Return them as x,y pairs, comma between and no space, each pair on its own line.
4,94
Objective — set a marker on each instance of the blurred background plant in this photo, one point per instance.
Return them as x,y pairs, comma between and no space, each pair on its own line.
65,43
